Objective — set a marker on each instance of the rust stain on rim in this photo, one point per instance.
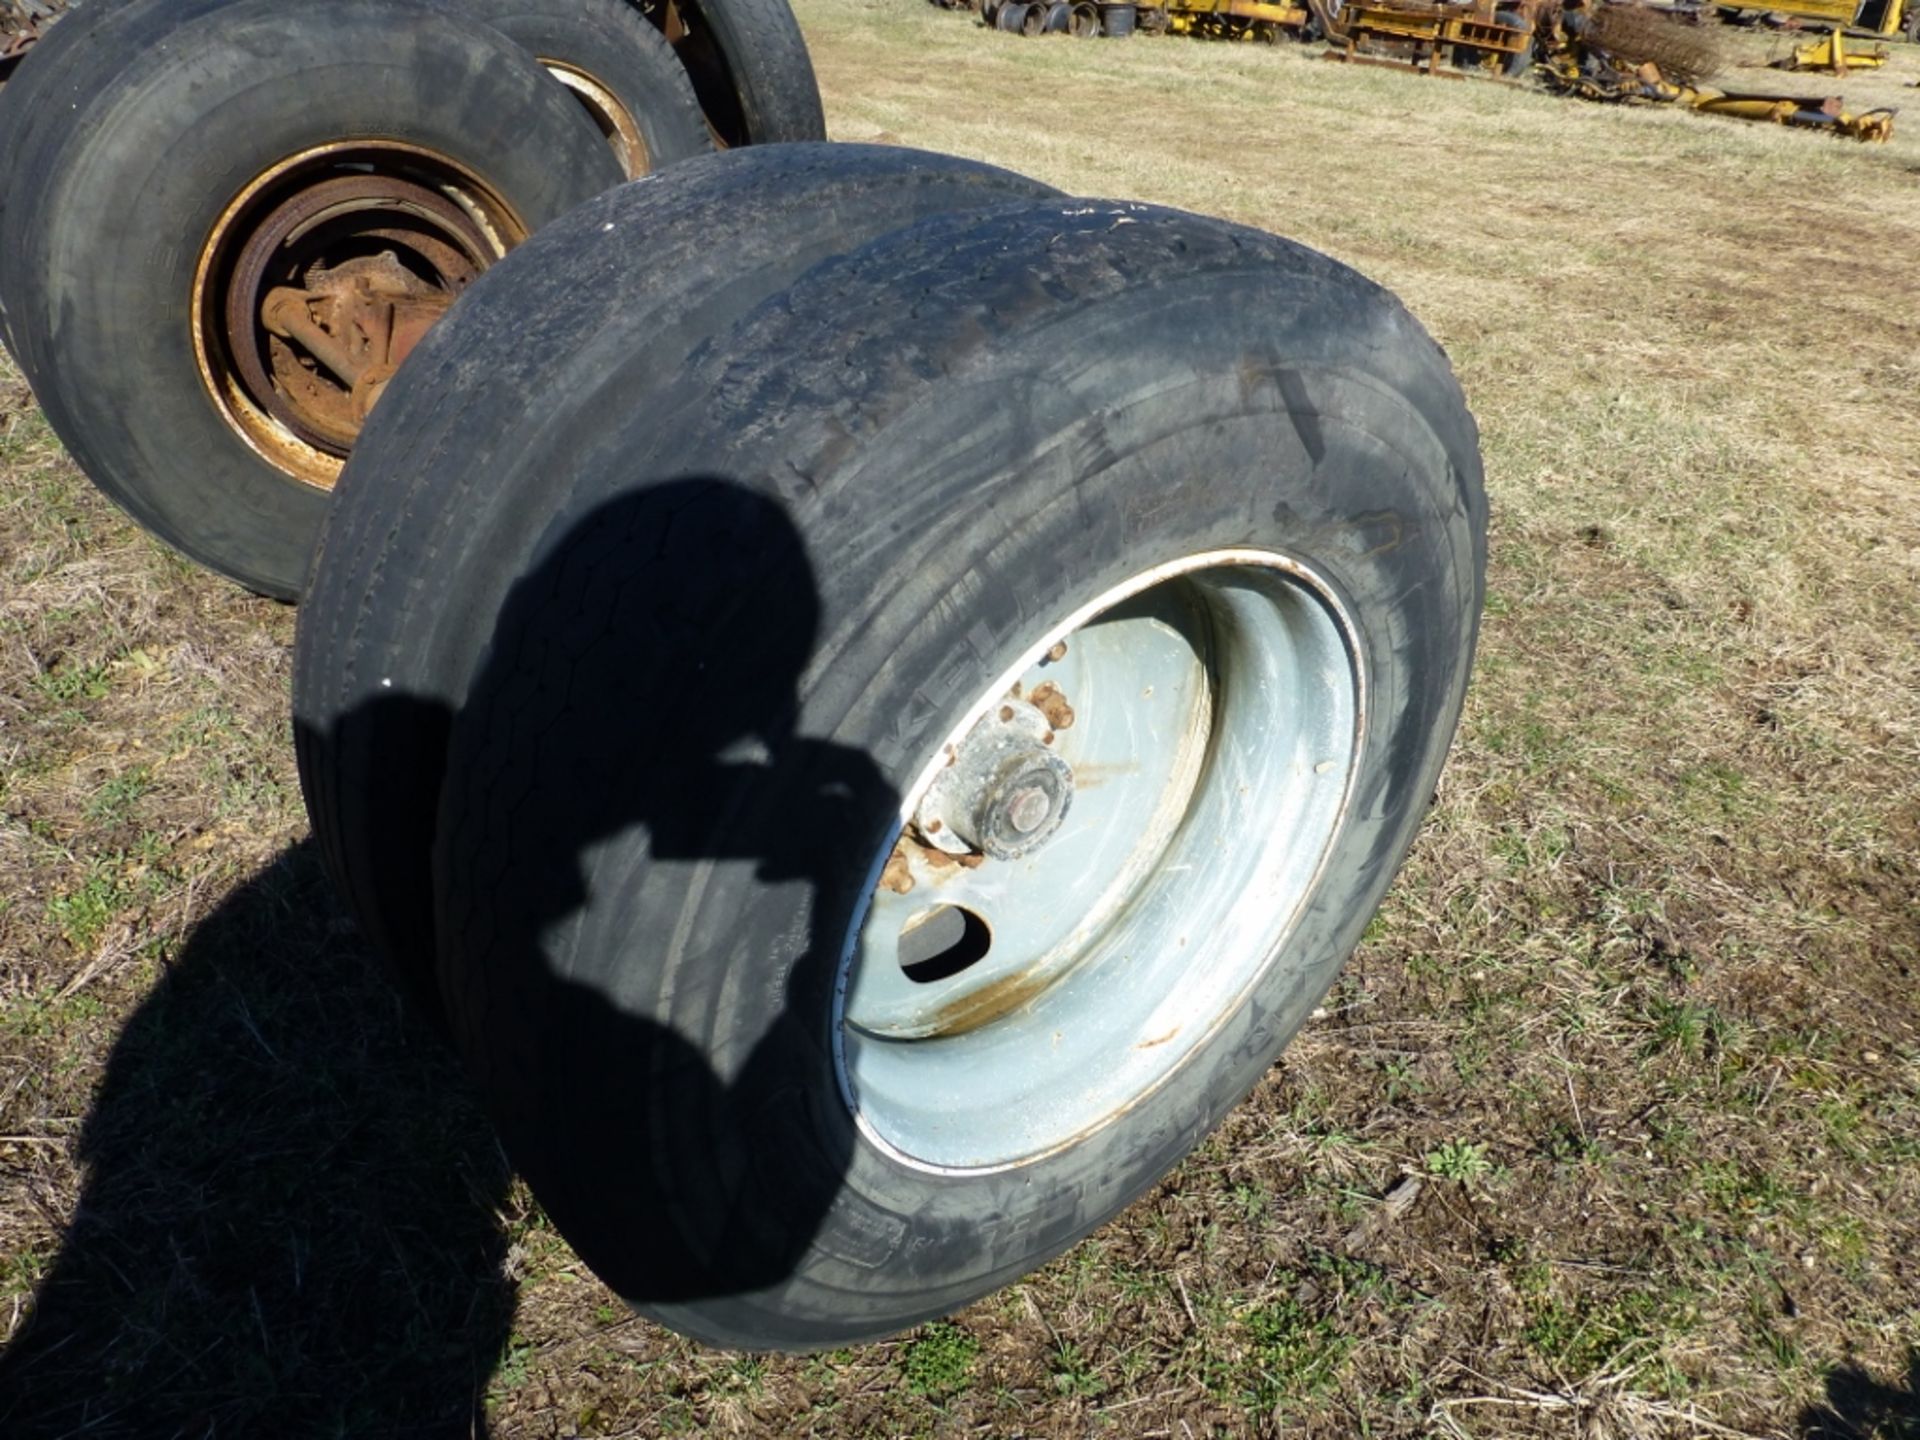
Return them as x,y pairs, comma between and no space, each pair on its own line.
987,1004
615,120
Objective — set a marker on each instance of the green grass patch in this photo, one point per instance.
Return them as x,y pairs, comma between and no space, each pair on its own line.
113,802
1585,1336
1460,1160
72,681
938,1362
83,913
1293,1356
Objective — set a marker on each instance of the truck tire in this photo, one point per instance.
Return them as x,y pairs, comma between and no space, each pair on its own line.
750,68
222,437
1511,65
618,66
615,63
972,506
380,665
1514,66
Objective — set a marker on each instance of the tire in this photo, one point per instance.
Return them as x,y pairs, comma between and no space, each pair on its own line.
380,665
1084,23
179,144
774,599
620,69
1012,17
1033,21
23,111
1515,66
749,66
1059,17
1117,21
613,61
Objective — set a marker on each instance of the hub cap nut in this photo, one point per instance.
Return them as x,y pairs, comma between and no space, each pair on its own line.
1021,813
1004,794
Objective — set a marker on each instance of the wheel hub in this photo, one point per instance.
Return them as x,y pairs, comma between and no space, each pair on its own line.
1005,793
319,281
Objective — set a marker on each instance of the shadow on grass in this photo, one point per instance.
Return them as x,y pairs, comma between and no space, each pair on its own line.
289,1224
290,1221
1861,1408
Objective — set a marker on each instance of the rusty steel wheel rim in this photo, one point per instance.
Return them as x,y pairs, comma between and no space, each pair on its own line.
614,121
1100,862
318,280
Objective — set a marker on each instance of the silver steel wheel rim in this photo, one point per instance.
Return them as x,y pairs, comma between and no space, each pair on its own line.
1214,717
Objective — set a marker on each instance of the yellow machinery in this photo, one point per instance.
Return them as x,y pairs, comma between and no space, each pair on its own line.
1832,56
1828,114
1234,19
1423,36
1410,34
1579,56
1596,78
1889,19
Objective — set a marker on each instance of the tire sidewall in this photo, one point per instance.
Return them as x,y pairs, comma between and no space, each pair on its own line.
766,59
625,54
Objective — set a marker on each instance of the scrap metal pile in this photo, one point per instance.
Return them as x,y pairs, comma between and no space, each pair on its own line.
1625,53
1610,50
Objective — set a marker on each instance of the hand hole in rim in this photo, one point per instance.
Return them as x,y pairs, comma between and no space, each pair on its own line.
940,943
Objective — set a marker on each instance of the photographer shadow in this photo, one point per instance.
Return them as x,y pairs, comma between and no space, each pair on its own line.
1859,1407
647,871
290,1223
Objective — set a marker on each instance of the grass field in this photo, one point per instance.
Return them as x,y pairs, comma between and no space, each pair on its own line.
1634,1048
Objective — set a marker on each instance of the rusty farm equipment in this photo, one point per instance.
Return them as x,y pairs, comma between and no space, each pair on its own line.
1255,20
1437,39
1644,84
1621,54
1613,51
1832,55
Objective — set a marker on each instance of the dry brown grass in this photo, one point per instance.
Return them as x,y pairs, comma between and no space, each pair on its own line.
1640,1016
